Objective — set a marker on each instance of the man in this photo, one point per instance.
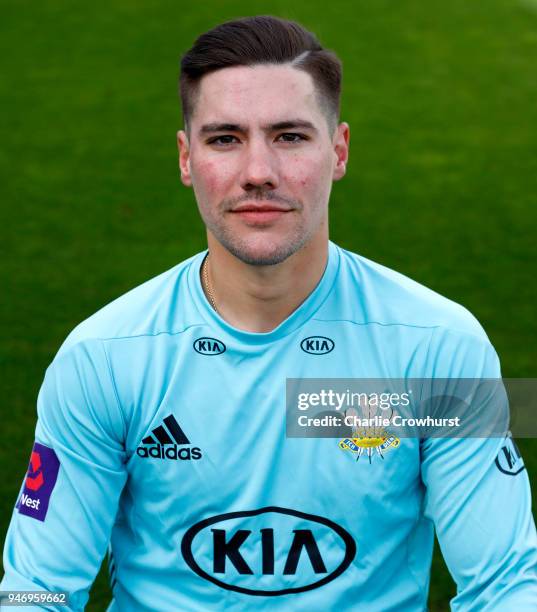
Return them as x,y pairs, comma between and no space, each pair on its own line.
162,420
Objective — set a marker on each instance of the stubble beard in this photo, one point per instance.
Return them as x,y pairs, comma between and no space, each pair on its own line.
254,255
249,252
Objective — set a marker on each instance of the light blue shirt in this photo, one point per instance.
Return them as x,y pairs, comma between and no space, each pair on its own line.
167,430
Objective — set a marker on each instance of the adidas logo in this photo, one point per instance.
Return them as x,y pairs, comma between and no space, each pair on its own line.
166,441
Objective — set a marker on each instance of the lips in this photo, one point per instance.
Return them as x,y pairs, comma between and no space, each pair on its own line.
260,213
268,207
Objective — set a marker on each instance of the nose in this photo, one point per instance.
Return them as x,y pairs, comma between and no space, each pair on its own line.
260,167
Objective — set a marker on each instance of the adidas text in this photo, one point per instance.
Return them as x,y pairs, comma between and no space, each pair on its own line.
169,452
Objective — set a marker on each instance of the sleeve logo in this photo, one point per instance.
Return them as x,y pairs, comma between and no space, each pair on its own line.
39,483
34,477
509,460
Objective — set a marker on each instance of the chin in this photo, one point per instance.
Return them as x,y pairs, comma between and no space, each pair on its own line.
263,253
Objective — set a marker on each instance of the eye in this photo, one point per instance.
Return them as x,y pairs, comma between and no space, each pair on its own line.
225,139
291,137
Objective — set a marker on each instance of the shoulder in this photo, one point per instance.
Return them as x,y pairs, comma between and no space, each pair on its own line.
377,294
160,305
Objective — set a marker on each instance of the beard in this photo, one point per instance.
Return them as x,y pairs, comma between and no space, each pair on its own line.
256,248
259,250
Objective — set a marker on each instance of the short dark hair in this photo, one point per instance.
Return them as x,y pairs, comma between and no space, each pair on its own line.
261,40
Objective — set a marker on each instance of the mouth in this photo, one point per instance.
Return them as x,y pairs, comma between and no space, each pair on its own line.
260,212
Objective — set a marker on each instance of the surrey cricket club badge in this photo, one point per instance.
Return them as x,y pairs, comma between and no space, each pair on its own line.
369,436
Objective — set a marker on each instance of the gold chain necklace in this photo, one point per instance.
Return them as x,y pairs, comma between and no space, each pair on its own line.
207,282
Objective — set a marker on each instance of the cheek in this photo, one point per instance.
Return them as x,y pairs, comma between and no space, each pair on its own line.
311,176
209,177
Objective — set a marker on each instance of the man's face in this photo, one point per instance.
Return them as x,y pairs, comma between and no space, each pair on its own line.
261,160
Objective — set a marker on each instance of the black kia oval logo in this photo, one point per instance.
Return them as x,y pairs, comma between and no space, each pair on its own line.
317,345
509,460
209,346
239,551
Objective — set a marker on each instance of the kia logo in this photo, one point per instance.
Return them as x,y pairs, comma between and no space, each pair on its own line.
239,551
509,461
317,345
209,346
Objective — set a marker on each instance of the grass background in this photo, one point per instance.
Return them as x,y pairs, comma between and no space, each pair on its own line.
441,186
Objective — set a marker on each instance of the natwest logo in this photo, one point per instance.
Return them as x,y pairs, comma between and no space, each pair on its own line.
168,442
317,345
39,482
270,551
209,346
34,477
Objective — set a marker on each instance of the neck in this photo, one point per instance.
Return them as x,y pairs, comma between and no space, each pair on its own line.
259,298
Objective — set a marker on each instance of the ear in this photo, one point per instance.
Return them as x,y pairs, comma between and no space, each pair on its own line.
341,150
184,158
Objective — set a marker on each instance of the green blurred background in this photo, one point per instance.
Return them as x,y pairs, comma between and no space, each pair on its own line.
442,183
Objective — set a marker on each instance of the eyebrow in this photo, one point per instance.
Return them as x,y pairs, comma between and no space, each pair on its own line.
292,124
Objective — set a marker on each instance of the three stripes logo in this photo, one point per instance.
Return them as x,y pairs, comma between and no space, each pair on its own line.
168,442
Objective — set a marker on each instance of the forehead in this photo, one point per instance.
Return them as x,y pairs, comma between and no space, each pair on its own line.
266,93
